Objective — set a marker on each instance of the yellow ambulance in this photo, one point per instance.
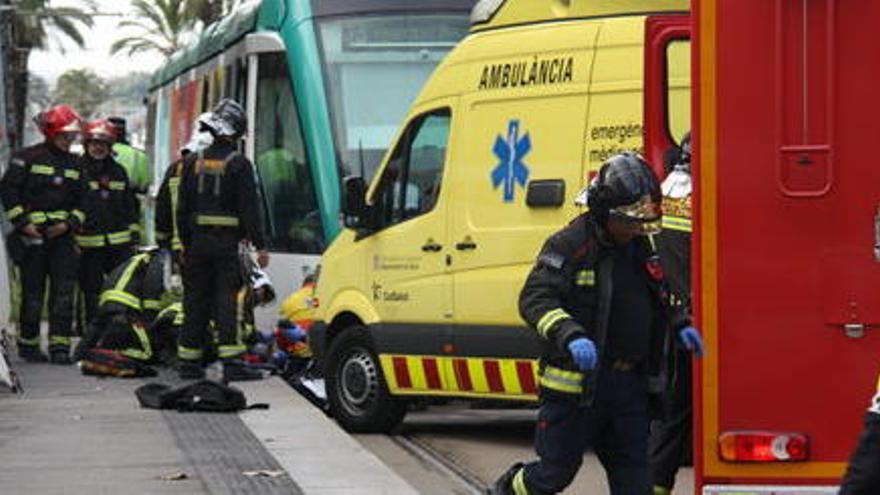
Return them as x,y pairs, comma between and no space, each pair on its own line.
418,296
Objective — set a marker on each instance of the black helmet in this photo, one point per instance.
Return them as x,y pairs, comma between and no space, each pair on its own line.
228,118
626,188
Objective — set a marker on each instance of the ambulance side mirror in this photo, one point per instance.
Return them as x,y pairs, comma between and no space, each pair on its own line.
354,205
545,193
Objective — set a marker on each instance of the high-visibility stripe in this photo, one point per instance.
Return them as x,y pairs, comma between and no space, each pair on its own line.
116,185
42,170
526,373
216,221
121,297
146,350
188,353
231,351
90,241
57,215
401,373
29,342
462,375
14,212
121,237
585,277
174,190
519,483
71,174
432,375
681,224
93,185
550,318
493,376
151,304
38,217
240,309
58,340
80,215
561,380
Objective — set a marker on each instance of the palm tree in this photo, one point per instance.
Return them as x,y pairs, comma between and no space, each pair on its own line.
163,26
32,23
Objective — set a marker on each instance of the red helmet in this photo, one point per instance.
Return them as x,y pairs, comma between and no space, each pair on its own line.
100,130
58,120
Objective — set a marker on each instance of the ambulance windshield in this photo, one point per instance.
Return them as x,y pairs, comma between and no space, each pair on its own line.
374,67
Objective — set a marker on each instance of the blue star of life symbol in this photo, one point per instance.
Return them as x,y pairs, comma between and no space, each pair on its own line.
510,152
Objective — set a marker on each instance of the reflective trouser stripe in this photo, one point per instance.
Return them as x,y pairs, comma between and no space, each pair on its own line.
146,350
216,221
80,215
90,240
121,237
57,216
42,170
549,319
29,342
188,353
231,351
519,483
677,223
57,340
37,217
151,304
174,190
562,380
14,212
71,174
120,297
585,277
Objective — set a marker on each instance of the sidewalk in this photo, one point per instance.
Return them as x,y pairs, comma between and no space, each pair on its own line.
73,434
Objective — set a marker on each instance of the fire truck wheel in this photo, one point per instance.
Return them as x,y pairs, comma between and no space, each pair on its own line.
356,388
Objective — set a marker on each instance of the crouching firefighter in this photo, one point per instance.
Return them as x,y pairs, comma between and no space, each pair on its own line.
597,297
129,303
217,211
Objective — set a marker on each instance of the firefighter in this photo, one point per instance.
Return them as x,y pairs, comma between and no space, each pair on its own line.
110,231
862,476
597,298
671,437
130,301
42,191
167,231
217,210
132,159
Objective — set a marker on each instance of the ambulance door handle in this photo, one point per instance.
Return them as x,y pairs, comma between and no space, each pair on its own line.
466,245
431,247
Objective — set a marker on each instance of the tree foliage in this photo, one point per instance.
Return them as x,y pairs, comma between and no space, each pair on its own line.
162,25
82,89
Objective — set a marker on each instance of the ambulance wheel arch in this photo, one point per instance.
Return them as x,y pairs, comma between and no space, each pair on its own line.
356,388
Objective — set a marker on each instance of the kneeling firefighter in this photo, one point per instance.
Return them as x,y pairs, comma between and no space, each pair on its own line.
598,299
130,301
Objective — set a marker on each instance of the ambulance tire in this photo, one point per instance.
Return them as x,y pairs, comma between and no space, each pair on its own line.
356,388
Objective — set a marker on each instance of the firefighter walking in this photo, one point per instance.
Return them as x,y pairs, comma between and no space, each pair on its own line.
217,211
597,297
111,229
42,191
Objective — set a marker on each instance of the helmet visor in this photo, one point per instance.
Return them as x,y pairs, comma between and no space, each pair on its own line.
644,215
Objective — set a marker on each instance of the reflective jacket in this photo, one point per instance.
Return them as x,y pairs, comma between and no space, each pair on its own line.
568,295
110,205
167,229
135,286
43,185
218,191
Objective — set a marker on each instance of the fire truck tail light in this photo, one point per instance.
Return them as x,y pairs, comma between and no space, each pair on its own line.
763,446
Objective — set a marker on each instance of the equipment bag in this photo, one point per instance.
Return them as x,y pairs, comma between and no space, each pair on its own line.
204,395
106,362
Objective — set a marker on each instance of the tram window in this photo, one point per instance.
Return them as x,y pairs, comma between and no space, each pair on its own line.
293,221
411,181
678,98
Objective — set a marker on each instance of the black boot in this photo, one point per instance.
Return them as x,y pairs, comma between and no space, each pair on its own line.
32,354
190,371
60,356
235,370
504,484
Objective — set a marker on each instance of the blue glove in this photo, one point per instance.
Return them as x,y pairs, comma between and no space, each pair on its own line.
691,340
295,334
583,351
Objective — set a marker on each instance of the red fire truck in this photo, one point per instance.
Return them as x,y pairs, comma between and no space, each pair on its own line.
787,236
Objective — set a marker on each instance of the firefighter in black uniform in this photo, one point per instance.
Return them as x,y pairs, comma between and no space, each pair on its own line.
42,191
217,211
130,301
597,297
863,473
108,236
671,436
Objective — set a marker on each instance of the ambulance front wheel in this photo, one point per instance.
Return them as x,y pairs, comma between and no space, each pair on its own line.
356,388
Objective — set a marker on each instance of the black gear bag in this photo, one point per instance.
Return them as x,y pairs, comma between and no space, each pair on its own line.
203,395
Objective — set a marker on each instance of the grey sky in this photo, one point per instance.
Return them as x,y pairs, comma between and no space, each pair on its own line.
50,64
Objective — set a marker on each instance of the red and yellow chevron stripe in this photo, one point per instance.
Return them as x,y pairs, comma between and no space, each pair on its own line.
514,379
